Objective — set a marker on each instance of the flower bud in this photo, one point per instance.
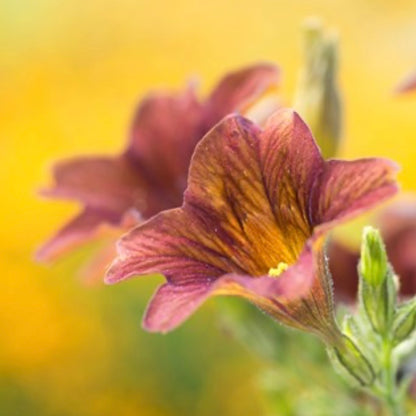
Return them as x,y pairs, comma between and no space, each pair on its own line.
350,362
317,97
377,286
373,263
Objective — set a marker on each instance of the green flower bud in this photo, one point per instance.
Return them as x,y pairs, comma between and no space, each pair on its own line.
351,363
317,97
377,286
404,321
373,263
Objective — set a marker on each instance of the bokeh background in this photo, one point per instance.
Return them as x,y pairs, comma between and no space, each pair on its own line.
71,74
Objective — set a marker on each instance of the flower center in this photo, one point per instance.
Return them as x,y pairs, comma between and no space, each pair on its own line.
277,271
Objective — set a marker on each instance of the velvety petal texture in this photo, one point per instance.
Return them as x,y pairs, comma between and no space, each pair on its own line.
347,188
150,175
80,228
173,303
257,200
163,135
110,189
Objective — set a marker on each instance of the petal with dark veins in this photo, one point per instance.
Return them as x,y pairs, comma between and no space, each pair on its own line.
254,200
345,189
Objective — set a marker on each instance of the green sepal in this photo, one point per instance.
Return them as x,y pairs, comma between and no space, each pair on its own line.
351,328
350,362
404,321
379,303
377,286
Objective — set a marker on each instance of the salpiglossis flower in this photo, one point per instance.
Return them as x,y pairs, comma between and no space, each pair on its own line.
150,175
257,207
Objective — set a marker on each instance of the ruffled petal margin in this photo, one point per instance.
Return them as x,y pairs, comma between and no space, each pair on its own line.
255,199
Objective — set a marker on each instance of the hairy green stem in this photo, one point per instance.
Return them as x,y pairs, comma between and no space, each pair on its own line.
389,392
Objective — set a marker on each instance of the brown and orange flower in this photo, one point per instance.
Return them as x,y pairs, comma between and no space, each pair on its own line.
258,205
150,175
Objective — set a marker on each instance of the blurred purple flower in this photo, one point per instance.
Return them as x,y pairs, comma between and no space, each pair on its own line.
150,175
253,221
397,224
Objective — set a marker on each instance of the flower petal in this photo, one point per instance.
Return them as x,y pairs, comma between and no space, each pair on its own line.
239,89
104,183
171,243
167,127
248,207
163,135
82,228
290,162
110,189
288,298
173,303
151,174
345,189
227,223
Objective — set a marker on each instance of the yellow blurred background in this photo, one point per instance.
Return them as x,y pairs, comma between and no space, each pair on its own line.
71,75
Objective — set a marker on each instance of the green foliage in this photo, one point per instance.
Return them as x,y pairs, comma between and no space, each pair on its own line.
296,378
375,342
380,326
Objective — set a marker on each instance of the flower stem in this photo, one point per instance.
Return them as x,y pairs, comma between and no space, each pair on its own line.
389,393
